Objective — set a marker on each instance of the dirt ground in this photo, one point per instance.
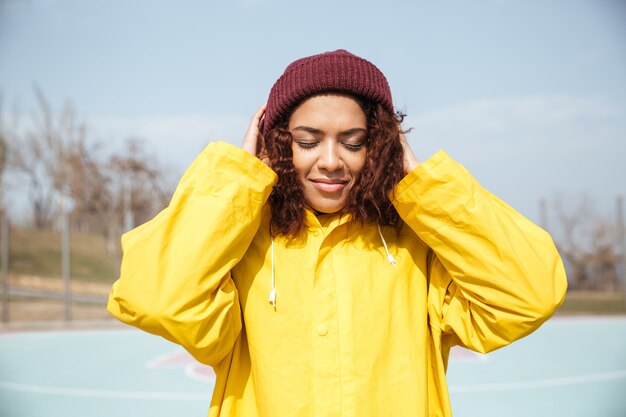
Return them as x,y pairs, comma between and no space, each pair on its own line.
36,312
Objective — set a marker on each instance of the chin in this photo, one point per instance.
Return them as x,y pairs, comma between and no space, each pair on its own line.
323,204
327,211
327,208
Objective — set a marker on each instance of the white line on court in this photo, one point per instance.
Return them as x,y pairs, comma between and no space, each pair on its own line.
96,393
541,383
155,395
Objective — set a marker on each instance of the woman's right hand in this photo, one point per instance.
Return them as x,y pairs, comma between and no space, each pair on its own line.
251,141
409,159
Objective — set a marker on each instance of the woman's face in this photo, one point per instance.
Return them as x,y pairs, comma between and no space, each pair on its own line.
329,145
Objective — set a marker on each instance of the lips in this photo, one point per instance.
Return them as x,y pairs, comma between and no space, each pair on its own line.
329,185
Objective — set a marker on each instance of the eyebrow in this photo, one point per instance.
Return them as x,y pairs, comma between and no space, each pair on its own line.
315,131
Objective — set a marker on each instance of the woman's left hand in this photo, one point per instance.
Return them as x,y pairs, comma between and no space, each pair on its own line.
410,161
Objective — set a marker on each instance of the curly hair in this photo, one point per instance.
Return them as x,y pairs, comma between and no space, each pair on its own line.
368,200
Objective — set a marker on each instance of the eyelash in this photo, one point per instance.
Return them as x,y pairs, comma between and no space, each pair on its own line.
306,145
354,147
349,146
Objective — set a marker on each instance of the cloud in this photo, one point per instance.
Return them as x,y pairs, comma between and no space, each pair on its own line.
176,139
525,148
520,122
501,128
520,148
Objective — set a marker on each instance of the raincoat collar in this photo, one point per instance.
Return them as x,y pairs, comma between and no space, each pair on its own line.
324,222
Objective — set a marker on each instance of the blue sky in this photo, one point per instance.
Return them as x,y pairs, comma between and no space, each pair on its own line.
529,95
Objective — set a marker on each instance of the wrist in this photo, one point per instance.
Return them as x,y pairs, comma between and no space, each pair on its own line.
410,162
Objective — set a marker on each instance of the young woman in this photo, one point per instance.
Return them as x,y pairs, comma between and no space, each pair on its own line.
322,270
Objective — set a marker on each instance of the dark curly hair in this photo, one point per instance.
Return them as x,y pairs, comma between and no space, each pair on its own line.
368,200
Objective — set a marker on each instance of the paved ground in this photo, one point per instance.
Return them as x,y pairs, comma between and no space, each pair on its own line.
570,367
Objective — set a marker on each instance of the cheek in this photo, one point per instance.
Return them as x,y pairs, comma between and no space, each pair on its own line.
356,162
300,163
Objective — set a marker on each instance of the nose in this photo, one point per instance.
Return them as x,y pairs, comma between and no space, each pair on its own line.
330,158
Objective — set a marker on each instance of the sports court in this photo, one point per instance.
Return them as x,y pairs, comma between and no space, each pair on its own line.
572,366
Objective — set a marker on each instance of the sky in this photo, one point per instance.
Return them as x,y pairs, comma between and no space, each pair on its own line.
529,95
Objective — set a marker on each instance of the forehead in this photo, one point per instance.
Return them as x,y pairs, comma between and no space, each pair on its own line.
331,110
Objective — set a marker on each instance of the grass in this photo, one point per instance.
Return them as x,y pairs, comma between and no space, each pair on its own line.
38,252
593,302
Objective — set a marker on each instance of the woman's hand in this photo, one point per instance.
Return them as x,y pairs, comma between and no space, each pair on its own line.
410,160
252,140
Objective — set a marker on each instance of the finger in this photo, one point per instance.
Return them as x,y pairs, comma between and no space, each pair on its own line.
264,157
256,119
260,113
251,138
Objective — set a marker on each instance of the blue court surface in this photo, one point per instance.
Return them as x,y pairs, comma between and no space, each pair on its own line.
570,367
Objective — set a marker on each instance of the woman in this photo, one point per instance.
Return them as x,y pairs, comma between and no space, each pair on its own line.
374,264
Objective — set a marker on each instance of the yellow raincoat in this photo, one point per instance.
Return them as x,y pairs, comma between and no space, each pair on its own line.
351,335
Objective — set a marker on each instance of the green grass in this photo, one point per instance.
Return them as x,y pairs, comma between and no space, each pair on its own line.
38,252
594,302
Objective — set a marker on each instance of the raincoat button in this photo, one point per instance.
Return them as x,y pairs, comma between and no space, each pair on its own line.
322,330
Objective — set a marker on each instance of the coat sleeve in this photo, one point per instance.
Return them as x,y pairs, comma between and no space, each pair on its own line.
175,276
494,276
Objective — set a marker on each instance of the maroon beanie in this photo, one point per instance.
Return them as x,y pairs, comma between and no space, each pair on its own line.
338,71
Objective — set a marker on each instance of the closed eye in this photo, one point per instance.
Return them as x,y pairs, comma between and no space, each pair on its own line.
306,144
354,146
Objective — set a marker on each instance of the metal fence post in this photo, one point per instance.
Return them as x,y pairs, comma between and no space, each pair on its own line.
4,260
621,239
65,260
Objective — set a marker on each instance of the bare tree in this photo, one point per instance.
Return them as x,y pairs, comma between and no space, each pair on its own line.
142,181
58,159
604,257
125,187
42,154
588,245
4,151
89,187
9,145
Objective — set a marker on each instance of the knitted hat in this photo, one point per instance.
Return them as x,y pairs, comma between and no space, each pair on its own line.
338,71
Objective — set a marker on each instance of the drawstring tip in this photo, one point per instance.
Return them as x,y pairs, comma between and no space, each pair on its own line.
273,298
390,258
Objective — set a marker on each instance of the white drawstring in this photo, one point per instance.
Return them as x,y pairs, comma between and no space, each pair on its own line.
390,258
273,291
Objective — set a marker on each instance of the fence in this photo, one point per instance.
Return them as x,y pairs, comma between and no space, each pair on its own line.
68,298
